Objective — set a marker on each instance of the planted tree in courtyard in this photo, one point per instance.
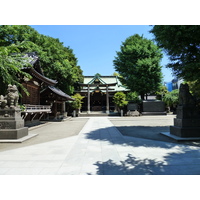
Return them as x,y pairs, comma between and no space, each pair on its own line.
138,63
119,99
171,99
160,93
77,104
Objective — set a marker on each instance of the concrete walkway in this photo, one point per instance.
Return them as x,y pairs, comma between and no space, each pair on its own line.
100,149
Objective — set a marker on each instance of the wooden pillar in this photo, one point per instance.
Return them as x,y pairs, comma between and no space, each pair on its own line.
107,100
63,107
88,99
55,110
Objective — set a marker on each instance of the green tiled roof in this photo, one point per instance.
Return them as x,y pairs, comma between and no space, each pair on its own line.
105,80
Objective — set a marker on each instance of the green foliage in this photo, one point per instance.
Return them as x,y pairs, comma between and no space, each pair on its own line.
182,44
11,68
115,74
58,62
133,96
22,107
138,64
171,98
195,89
119,99
161,92
77,104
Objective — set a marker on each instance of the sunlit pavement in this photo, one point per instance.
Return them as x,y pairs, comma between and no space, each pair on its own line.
100,149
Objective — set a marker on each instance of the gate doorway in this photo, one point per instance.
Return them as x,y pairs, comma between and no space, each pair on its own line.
98,101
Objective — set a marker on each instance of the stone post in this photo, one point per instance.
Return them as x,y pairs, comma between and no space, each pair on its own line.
88,99
107,100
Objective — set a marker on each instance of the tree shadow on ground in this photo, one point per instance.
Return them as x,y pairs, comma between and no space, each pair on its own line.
146,132
113,136
141,136
135,166
130,166
153,133
173,158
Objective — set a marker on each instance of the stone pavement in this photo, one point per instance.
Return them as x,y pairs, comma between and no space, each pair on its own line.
99,149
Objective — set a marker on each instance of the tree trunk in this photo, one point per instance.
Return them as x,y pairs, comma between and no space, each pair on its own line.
142,96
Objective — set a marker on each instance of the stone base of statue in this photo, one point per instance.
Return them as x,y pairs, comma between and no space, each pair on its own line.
12,124
187,122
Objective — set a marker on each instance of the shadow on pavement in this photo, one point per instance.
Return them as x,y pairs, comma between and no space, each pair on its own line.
135,166
171,159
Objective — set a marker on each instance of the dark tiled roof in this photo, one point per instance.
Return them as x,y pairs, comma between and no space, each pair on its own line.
36,70
42,78
60,93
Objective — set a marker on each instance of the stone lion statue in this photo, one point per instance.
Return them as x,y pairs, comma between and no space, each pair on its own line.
11,98
185,97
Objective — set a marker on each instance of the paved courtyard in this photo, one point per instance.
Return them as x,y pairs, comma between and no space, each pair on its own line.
101,146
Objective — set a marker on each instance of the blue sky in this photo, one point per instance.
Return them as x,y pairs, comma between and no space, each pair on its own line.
95,46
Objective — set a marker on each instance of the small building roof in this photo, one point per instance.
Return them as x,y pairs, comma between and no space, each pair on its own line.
36,70
41,77
58,92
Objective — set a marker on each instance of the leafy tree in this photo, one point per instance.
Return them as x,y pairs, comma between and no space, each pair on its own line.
161,92
119,99
77,104
195,90
182,44
138,64
115,74
171,98
58,62
11,69
133,96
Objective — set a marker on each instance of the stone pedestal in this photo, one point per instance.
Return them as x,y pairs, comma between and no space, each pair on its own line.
11,124
187,122
153,108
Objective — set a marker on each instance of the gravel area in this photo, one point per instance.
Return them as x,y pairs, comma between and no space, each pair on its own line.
49,131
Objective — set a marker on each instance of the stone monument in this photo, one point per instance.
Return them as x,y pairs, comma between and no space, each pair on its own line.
154,107
11,122
187,121
132,109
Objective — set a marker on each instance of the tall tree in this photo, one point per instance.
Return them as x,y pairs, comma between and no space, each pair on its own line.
11,68
138,63
58,62
182,44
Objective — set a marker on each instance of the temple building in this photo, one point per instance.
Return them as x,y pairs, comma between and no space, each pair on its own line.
44,99
99,91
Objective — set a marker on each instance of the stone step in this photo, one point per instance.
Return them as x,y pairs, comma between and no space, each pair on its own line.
98,114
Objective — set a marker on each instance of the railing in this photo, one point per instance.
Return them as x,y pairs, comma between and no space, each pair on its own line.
37,108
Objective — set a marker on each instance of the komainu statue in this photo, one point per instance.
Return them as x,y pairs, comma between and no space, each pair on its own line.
11,98
185,97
